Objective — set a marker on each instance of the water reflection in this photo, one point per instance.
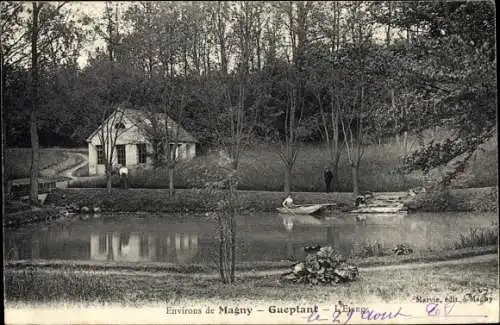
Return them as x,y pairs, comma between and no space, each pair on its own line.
260,237
350,232
289,220
137,247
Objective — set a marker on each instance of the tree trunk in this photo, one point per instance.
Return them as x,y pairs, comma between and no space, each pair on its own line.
335,142
354,173
108,179
35,157
389,23
287,187
222,245
34,100
171,182
233,249
335,185
405,143
3,121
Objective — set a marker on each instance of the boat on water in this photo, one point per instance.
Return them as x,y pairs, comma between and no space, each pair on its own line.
305,209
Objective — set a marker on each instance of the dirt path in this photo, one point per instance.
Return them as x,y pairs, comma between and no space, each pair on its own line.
69,172
66,167
244,274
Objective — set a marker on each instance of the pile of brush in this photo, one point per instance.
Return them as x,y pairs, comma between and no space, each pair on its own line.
322,265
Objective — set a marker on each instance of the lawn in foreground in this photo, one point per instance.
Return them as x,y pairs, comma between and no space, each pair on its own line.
387,285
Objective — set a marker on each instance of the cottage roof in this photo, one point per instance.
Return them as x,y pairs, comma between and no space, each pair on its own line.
137,117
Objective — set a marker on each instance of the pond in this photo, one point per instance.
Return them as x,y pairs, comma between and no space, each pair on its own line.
193,239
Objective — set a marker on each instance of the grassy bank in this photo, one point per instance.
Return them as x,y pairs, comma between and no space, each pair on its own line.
246,267
18,160
30,215
157,200
457,199
261,169
35,285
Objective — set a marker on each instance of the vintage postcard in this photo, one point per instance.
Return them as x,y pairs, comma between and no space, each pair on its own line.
249,162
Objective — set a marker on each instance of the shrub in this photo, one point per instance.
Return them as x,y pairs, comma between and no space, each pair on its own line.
369,250
402,249
321,265
478,237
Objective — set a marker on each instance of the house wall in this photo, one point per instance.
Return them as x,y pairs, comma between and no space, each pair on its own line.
130,137
131,154
92,159
181,151
190,151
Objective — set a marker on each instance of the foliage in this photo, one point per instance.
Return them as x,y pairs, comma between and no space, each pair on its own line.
224,182
478,237
402,249
322,265
450,69
435,67
369,250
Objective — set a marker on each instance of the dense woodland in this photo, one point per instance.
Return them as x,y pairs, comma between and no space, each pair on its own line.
344,73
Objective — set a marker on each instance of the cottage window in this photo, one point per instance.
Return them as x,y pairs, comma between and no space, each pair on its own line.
174,153
141,153
120,155
101,159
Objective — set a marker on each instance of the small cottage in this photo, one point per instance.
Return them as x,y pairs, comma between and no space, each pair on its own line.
129,130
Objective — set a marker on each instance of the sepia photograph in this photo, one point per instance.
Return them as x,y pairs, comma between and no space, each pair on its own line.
249,162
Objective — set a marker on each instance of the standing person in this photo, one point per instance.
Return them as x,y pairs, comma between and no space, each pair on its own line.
123,172
328,175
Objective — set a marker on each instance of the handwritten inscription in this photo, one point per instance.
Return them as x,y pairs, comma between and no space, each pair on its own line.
446,310
339,317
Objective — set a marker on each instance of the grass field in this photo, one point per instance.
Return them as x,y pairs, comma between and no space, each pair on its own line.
73,286
17,162
261,169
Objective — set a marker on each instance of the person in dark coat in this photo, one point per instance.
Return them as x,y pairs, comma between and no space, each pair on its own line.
328,175
123,177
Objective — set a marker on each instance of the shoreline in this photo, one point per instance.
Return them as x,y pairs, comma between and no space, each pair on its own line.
249,267
137,200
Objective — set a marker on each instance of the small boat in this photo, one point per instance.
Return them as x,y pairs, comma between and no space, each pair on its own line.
304,209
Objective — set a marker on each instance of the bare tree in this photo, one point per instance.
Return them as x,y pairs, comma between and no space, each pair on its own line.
112,127
40,38
34,98
288,153
354,140
219,12
330,122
